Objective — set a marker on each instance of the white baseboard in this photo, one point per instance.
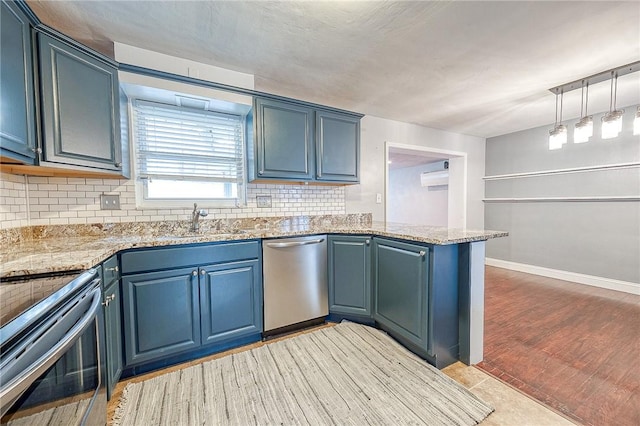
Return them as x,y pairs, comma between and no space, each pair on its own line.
592,280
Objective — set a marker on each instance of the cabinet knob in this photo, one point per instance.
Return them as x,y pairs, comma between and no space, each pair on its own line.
367,242
203,272
422,253
37,150
260,172
194,273
118,165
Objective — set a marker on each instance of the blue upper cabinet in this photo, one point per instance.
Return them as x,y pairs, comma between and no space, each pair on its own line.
79,108
17,123
284,145
337,147
301,143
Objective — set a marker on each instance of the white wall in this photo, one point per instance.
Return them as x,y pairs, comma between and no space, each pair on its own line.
376,131
410,202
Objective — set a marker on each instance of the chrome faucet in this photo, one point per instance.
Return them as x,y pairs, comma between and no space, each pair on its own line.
195,225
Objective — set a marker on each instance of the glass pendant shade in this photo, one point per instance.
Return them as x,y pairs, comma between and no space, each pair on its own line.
636,123
583,130
557,137
612,124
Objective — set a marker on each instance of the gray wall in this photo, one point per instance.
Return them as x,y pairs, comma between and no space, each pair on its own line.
410,202
600,238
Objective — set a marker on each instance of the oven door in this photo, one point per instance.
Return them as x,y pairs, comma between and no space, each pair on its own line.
52,372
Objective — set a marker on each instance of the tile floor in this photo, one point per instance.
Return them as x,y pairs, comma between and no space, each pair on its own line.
512,407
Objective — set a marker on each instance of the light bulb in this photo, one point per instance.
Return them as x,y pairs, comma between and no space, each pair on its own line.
557,137
583,130
636,123
612,124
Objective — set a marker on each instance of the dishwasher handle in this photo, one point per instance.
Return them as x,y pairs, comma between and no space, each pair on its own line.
295,243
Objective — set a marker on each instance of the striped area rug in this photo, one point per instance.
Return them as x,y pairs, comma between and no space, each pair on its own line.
347,374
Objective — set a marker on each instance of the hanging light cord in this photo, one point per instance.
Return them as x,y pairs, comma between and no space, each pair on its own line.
561,97
582,101
586,100
615,92
611,102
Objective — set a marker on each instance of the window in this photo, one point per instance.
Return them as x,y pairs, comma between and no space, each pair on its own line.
185,154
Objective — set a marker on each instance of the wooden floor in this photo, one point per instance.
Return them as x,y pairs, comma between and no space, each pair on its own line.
573,347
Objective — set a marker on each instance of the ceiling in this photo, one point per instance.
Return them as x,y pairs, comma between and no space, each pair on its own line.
480,68
401,158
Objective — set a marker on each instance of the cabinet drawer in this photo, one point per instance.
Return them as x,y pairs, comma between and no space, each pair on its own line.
110,270
177,257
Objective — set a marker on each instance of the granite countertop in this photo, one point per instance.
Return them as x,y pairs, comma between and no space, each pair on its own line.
72,248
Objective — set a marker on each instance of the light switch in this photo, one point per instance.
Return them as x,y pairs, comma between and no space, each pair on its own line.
378,198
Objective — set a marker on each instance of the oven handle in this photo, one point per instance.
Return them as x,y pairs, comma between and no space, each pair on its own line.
13,389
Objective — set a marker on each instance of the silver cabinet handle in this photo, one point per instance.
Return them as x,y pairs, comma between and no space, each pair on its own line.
194,273
13,388
295,243
203,272
367,242
36,150
118,165
114,269
109,299
422,253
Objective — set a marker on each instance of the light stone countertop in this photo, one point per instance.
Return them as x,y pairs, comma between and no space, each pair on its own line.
75,248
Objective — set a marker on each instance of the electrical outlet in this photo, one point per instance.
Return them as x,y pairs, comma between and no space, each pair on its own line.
109,202
263,201
378,198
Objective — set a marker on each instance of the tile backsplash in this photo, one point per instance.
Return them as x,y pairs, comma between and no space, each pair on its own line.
35,200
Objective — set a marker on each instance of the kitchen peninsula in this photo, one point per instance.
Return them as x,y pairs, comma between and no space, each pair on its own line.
449,263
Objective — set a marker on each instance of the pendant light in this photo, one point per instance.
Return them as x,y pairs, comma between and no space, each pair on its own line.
583,129
636,123
612,121
558,135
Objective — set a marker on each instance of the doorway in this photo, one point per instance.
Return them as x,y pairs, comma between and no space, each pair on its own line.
425,186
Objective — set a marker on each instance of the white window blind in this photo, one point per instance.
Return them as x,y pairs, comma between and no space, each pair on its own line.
183,144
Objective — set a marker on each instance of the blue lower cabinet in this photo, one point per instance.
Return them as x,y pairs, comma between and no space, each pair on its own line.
416,297
113,327
349,262
230,301
191,308
161,314
401,289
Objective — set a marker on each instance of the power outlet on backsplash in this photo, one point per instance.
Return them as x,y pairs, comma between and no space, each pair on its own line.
263,201
109,202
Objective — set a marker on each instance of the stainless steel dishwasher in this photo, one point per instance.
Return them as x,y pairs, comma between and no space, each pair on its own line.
295,281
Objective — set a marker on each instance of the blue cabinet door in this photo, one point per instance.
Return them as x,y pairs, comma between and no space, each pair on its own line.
161,314
230,301
401,289
284,141
17,123
113,333
79,108
337,147
349,275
